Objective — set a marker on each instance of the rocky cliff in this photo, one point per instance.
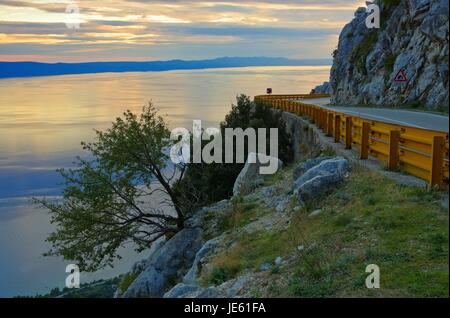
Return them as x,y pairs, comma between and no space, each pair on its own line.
414,37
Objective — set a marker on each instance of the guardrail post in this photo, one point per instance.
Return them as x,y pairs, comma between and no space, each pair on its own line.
324,119
365,131
394,143
319,117
337,128
348,133
330,124
437,161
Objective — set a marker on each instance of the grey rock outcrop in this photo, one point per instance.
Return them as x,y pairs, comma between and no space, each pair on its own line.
308,164
192,275
251,172
414,37
320,178
229,289
167,264
325,88
182,290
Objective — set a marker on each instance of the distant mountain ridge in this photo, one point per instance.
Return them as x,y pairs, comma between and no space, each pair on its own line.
30,69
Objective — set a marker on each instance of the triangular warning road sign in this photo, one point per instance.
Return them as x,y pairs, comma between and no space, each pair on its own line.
401,77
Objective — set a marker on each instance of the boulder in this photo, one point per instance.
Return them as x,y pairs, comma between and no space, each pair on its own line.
192,274
282,204
167,264
264,267
229,289
320,178
182,290
212,292
141,265
253,170
315,213
308,164
278,261
234,287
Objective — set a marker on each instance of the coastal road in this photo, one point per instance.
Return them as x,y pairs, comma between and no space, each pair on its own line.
409,118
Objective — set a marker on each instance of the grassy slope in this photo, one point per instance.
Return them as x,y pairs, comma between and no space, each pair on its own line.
368,220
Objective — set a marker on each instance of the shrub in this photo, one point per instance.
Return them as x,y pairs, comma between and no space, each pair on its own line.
389,62
220,275
214,182
127,280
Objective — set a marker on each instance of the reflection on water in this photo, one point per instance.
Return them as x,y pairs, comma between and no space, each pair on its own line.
43,120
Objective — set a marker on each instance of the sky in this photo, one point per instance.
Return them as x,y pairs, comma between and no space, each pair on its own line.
146,30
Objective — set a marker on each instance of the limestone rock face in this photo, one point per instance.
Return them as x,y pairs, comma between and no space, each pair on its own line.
192,275
325,88
414,37
169,263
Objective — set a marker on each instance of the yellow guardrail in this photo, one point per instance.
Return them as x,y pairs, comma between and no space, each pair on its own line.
420,152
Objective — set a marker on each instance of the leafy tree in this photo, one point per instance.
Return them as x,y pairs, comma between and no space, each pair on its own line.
106,201
214,182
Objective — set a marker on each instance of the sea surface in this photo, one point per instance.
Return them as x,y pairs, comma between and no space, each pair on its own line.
44,119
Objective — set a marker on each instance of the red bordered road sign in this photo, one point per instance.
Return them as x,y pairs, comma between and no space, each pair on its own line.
401,77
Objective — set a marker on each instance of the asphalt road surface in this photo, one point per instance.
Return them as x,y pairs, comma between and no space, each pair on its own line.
400,117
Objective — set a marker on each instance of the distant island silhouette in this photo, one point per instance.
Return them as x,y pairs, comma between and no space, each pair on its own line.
31,69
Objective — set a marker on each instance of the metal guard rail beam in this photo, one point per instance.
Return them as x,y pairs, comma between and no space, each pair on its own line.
420,152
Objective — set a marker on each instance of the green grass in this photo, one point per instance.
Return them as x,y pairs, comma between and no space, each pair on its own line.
126,281
241,213
250,252
375,221
220,275
368,220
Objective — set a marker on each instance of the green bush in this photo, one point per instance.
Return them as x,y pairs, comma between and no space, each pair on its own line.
220,275
214,182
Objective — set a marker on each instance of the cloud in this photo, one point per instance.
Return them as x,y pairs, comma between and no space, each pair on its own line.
142,29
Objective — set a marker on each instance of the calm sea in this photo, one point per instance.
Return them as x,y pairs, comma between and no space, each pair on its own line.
43,120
